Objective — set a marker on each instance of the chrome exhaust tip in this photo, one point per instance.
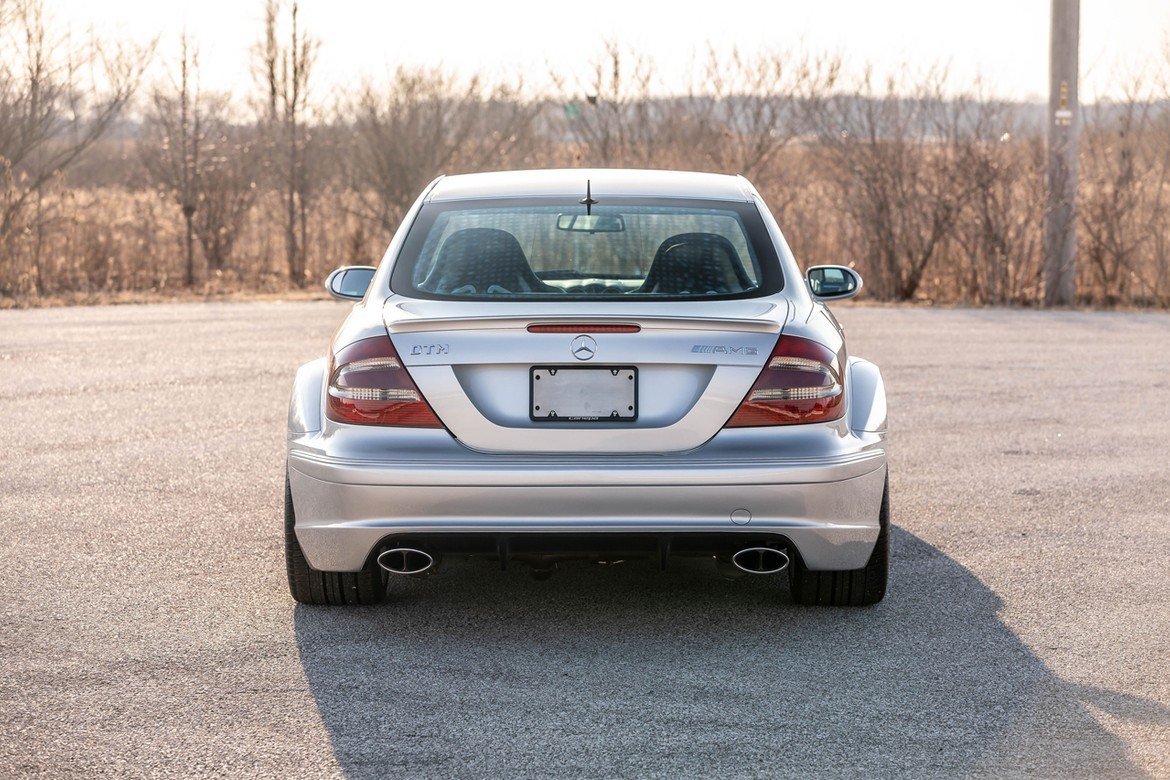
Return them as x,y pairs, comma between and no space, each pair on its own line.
760,560
405,560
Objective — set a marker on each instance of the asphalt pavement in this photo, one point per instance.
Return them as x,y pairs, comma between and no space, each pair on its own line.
146,629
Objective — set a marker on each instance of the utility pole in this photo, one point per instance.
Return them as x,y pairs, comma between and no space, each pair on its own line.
1060,234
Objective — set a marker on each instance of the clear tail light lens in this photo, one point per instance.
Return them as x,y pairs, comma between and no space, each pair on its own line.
801,383
368,385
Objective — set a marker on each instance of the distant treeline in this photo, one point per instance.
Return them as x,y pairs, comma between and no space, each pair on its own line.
110,182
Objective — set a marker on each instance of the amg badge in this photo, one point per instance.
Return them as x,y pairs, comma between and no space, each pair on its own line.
720,349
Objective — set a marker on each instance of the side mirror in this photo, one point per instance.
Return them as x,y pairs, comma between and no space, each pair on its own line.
833,282
350,282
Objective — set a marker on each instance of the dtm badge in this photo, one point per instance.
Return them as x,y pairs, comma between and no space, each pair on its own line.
430,349
719,349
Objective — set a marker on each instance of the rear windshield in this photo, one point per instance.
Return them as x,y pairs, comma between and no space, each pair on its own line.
555,249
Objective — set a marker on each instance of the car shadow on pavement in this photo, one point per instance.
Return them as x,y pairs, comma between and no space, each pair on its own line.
625,671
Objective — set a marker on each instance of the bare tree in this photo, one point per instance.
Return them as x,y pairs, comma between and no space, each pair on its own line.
173,145
228,188
738,114
285,70
1157,278
56,101
426,123
1000,231
930,193
1126,175
899,157
617,121
207,165
758,105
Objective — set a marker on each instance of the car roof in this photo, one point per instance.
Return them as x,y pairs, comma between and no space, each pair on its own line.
614,182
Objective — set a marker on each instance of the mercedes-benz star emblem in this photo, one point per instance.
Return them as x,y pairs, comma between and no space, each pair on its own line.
583,347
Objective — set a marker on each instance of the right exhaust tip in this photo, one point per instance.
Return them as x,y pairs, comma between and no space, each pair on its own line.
406,560
760,560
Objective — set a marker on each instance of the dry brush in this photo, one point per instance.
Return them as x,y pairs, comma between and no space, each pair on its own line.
932,193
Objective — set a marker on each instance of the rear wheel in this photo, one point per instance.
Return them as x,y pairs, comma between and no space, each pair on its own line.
311,586
853,588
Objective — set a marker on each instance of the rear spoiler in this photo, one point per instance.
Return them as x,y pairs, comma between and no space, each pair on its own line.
770,321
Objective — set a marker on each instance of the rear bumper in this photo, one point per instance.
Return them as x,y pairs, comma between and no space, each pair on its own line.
827,507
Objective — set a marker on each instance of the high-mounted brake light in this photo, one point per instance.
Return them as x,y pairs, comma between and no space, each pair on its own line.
583,327
368,385
801,383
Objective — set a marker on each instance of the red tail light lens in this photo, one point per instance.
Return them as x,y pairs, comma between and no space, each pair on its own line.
368,385
801,383
584,327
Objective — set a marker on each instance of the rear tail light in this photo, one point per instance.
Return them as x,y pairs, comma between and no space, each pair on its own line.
801,383
368,385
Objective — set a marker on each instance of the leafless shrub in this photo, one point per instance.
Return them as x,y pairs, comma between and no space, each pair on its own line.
615,122
900,157
753,107
56,101
1000,231
228,188
426,122
931,194
737,116
1125,196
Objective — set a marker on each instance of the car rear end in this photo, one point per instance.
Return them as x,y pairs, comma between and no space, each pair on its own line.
534,378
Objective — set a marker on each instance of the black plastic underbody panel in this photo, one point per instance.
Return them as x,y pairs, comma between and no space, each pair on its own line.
547,548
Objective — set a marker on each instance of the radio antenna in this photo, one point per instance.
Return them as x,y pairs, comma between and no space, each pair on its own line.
588,200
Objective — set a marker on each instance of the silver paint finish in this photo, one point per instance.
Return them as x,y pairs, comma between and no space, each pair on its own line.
686,396
605,182
674,469
865,382
833,524
758,315
735,457
305,412
666,394
818,485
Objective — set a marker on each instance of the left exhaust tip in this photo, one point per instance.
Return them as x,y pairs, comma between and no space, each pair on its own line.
406,560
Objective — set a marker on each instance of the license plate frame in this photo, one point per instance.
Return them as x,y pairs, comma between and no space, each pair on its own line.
566,402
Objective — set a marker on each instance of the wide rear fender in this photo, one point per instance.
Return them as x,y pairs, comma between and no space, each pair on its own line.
304,408
867,397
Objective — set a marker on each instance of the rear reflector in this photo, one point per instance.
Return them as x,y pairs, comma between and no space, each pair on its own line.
583,327
801,383
368,385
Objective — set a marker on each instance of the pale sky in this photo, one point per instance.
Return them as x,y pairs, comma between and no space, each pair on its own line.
1004,41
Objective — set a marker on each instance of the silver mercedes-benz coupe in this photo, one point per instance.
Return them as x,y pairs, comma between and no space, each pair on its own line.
604,365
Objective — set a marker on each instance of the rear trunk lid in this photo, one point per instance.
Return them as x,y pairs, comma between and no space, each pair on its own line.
691,364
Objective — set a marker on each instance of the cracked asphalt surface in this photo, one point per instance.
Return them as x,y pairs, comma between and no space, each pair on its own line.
146,629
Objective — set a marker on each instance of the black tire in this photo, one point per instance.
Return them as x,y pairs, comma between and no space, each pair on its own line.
853,588
336,588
